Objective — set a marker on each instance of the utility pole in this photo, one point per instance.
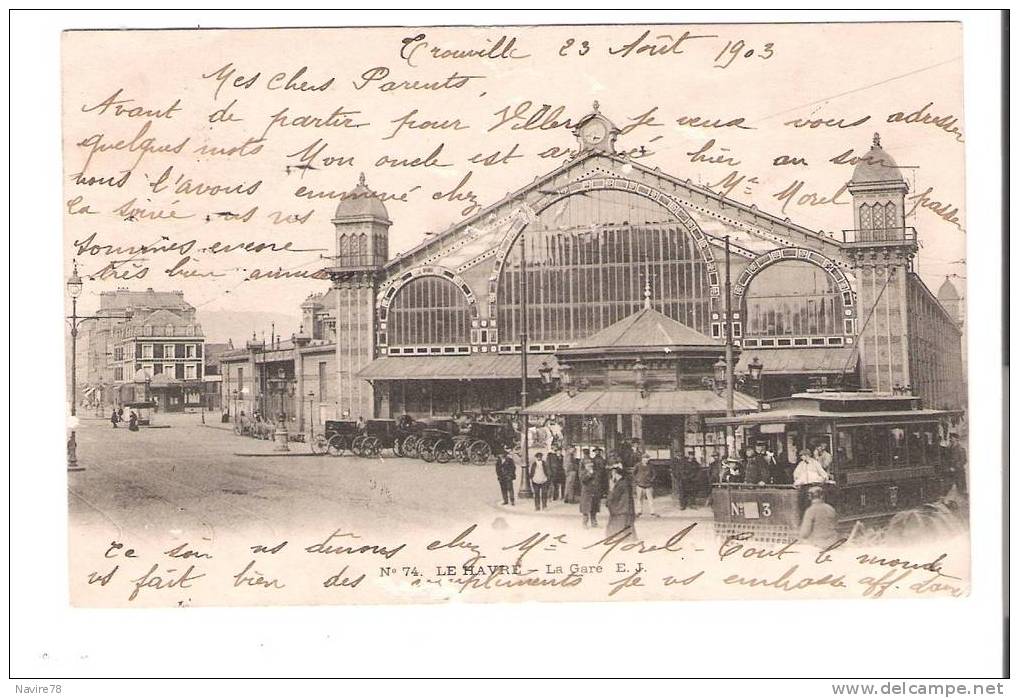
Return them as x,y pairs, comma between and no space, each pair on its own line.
730,410
525,480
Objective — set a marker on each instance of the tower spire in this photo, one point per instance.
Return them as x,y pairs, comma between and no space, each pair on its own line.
647,288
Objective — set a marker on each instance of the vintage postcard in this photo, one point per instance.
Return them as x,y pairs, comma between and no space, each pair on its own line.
506,313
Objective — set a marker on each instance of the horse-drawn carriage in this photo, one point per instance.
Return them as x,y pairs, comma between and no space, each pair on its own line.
380,434
430,440
338,437
481,440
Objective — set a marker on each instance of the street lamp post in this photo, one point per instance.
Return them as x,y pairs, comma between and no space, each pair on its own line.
756,368
311,414
525,491
546,376
280,436
74,288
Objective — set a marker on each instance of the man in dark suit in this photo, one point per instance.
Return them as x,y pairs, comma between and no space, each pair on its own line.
686,483
756,469
506,472
601,471
555,465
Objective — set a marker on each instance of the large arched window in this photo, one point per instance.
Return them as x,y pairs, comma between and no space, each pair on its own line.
588,259
793,298
428,311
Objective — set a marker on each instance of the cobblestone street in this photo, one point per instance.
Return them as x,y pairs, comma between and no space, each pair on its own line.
193,481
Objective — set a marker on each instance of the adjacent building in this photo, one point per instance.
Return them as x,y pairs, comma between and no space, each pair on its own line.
146,346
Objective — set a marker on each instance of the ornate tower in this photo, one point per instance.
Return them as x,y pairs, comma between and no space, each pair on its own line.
362,247
881,249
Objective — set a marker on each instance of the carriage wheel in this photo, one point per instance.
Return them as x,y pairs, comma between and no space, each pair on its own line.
410,447
371,446
480,452
337,445
442,452
461,451
426,449
397,447
319,445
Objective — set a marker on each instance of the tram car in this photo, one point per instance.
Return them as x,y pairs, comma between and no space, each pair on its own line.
887,457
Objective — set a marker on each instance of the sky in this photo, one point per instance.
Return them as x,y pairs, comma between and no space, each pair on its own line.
206,123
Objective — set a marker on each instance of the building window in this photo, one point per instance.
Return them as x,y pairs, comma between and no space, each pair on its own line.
323,381
793,298
190,371
189,351
240,381
168,369
429,311
146,351
118,373
588,264
168,351
118,353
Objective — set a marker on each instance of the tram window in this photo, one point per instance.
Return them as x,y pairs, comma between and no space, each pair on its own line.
897,447
931,444
917,446
880,443
855,449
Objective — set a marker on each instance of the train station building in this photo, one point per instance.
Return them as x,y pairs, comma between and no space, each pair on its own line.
601,252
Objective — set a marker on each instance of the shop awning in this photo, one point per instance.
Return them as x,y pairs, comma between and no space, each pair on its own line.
598,402
800,360
466,367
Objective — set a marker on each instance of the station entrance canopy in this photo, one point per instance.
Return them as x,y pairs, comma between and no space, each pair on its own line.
462,367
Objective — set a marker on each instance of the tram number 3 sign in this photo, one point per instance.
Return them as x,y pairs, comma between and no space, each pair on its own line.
751,510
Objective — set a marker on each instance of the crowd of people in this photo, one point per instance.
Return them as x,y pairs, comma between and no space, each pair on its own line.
622,483
586,481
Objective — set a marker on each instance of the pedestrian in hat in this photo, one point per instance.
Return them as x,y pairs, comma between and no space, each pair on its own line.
619,501
506,473
590,491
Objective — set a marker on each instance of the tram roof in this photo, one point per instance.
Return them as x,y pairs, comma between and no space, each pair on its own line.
806,414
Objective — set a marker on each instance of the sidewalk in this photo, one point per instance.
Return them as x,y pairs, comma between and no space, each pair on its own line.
665,508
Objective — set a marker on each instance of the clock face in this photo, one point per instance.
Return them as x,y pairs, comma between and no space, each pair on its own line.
594,132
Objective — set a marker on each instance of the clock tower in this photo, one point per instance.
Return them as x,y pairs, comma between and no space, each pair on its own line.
595,132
